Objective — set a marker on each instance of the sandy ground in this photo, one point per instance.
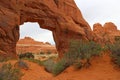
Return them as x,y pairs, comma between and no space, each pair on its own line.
101,69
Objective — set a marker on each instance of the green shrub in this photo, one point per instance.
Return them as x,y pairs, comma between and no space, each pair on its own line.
21,64
7,72
115,52
78,52
26,55
55,67
49,65
59,67
82,50
78,65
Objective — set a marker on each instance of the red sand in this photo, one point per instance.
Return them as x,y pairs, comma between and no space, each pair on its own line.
101,69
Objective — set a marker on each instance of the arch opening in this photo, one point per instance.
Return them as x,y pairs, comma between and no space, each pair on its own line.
36,40
34,31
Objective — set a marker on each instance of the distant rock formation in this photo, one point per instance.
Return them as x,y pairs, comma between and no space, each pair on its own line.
30,45
106,33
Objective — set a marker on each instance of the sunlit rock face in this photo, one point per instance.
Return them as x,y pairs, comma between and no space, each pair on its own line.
62,17
36,47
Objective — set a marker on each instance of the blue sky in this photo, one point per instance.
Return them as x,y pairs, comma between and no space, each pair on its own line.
94,11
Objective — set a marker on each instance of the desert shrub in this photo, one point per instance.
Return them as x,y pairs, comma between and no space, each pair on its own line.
55,67
59,67
82,50
21,64
77,54
26,55
49,65
7,72
78,65
42,53
115,52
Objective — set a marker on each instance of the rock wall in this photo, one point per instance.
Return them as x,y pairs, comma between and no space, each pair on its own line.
62,17
30,45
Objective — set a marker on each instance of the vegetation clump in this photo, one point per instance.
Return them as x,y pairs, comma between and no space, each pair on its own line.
49,65
79,54
21,65
8,72
26,55
115,52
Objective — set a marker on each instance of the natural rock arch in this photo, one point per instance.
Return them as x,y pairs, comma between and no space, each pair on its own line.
62,17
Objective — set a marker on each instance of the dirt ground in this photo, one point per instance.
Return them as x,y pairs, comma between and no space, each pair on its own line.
101,69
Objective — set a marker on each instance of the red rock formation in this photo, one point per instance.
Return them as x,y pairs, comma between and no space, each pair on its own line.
106,33
62,17
30,45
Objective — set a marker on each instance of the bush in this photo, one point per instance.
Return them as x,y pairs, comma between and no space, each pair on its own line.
82,51
42,53
55,68
26,55
49,65
21,64
78,65
115,52
7,72
59,67
78,53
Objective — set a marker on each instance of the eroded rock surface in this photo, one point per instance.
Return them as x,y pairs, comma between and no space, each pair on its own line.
36,47
62,17
106,33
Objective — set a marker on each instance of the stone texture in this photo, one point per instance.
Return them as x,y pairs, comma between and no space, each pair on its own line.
30,45
106,33
62,17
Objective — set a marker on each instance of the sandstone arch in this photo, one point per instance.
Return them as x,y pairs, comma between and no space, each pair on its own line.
62,17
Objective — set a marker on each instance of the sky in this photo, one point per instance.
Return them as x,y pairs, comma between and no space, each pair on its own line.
93,11
100,11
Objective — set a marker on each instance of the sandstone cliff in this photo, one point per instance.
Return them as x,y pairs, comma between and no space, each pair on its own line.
30,45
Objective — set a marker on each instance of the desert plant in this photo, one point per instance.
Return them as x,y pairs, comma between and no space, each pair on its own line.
77,54
115,52
59,67
7,72
78,65
80,50
49,65
41,53
26,55
21,64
